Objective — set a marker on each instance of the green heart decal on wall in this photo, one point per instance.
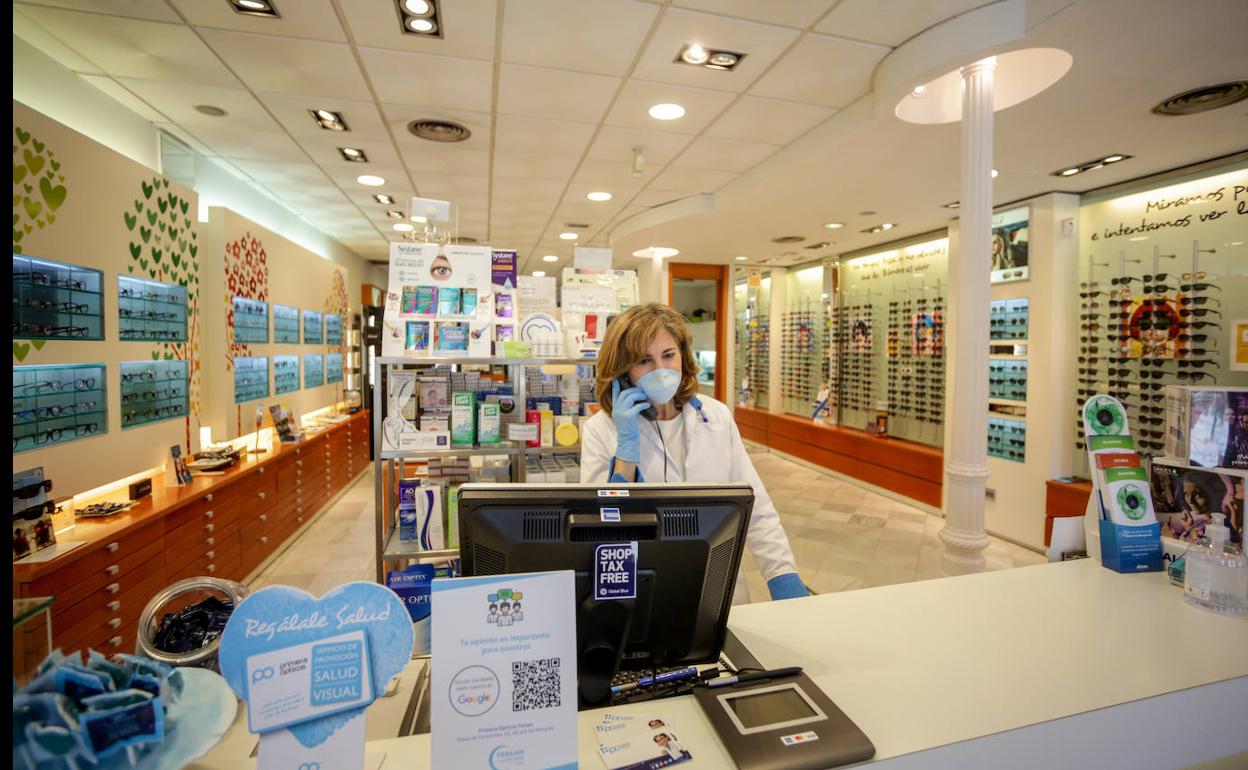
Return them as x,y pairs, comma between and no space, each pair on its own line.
181,244
51,217
138,206
135,250
33,207
22,136
38,344
156,255
161,225
151,217
17,236
147,234
187,222
173,233
147,189
54,196
161,202
184,205
27,229
130,219
17,200
19,173
21,349
177,260
38,145
143,264
171,197
28,188
56,164
33,162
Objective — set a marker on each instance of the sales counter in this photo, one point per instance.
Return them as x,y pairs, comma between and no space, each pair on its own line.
1054,665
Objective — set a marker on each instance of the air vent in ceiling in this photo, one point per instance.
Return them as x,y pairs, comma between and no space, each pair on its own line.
439,130
576,225
1204,98
789,239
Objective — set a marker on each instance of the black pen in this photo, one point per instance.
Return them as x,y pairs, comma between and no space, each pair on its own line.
775,673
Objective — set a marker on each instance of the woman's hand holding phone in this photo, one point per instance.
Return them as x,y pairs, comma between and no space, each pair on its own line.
626,404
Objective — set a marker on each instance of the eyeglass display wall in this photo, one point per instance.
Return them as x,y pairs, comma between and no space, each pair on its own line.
312,334
152,391
752,366
804,359
333,329
1163,296
1007,319
251,321
150,311
285,374
55,404
56,300
1007,439
251,378
333,368
285,324
313,370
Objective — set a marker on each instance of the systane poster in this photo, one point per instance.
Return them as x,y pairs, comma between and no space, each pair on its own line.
439,301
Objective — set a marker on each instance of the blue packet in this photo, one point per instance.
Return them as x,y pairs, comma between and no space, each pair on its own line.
111,700
120,675
78,683
108,732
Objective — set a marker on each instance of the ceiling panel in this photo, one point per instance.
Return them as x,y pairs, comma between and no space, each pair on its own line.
692,180
608,174
287,65
823,70
291,110
890,22
509,165
128,100
761,43
724,154
538,92
132,48
469,27
638,96
457,188
617,143
324,150
313,19
34,34
536,189
187,139
534,136
600,36
790,13
306,174
429,81
421,156
152,10
768,120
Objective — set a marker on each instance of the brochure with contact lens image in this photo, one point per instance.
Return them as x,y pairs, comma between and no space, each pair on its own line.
307,681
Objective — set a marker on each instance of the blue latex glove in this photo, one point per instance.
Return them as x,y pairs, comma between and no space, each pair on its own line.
625,406
786,586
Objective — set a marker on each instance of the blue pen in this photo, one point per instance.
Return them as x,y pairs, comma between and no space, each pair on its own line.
646,681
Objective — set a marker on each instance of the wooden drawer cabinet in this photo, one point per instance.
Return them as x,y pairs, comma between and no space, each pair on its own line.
76,604
112,609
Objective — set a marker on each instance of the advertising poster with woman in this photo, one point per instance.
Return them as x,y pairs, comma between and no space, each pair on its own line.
1009,245
926,334
1148,327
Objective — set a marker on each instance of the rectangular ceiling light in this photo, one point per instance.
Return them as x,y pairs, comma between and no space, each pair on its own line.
352,155
329,120
419,17
697,55
384,199
1091,165
263,8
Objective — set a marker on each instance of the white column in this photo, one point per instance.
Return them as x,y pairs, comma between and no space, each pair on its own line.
966,457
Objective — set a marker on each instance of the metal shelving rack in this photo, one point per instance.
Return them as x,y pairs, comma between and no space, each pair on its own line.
388,546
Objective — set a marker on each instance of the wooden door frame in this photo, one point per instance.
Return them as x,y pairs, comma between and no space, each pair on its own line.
719,274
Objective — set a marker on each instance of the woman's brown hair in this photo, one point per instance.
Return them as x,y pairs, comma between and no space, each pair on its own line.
630,334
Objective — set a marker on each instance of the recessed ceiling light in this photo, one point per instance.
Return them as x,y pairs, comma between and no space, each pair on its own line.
662,252
994,173
211,110
569,236
711,58
599,197
789,239
1091,165
740,259
880,228
417,7
254,8
865,213
384,199
667,112
1113,158
724,60
952,205
353,155
371,180
834,225
539,273
918,90
694,54
887,226
420,17
394,214
550,258
421,25
329,120
404,227
1068,171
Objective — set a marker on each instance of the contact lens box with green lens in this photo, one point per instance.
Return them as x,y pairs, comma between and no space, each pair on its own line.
463,418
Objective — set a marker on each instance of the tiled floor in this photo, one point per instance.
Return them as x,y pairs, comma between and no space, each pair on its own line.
844,537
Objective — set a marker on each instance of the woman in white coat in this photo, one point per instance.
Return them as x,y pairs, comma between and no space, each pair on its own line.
653,427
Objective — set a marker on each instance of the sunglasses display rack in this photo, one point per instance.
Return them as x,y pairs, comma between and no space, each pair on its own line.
251,378
285,324
313,370
855,370
56,301
311,327
333,368
150,311
1007,439
333,329
1007,379
758,365
285,374
800,356
1007,319
55,404
251,321
152,391
915,359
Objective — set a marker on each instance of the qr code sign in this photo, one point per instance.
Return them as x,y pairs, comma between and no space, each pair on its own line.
535,684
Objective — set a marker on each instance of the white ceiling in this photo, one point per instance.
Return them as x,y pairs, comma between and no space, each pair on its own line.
556,94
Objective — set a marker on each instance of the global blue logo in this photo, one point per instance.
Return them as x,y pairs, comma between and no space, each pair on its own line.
503,758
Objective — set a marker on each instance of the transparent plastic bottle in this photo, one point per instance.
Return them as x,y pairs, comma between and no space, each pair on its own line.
1216,578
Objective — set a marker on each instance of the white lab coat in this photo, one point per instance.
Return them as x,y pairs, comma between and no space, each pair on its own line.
714,454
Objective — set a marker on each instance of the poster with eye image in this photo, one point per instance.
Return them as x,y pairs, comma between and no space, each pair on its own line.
1009,245
445,287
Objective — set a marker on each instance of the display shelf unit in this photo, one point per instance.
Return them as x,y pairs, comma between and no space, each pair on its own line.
56,404
251,378
285,374
333,329
150,311
1008,319
56,300
1007,379
154,391
391,464
313,370
1007,439
333,368
251,321
312,330
285,324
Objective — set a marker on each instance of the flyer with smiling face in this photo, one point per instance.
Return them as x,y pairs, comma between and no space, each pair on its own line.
504,687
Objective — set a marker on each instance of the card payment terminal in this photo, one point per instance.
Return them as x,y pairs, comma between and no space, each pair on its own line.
784,722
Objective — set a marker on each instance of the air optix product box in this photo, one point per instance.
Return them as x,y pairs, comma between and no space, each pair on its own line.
463,418
413,587
1207,426
489,424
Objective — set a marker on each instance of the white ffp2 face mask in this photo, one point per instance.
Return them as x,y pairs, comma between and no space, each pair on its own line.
660,385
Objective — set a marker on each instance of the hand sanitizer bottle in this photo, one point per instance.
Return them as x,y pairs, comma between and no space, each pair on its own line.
1217,573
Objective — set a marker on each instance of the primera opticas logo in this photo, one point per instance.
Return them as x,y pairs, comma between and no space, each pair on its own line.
502,758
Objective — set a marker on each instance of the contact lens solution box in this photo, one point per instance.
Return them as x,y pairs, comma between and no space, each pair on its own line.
489,424
463,418
426,300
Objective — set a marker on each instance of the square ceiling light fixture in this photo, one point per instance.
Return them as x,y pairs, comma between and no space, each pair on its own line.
1091,165
711,58
353,155
329,120
419,17
263,8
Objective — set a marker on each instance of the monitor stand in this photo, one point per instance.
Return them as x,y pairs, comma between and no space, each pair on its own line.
602,629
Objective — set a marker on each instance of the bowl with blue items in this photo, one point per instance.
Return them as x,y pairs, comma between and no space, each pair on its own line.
182,625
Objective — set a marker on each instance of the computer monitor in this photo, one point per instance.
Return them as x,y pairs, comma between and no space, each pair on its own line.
689,537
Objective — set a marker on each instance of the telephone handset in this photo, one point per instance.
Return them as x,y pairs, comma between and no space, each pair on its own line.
650,413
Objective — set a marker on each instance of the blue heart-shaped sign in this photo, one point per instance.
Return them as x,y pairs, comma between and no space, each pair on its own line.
277,617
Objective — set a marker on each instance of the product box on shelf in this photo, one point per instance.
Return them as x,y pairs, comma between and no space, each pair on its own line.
1207,426
1185,498
463,418
489,424
413,586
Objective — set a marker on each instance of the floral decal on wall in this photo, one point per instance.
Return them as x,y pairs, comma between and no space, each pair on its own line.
338,303
163,247
246,275
38,191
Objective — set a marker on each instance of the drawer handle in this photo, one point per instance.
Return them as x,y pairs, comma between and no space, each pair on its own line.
262,471
264,539
112,588
211,568
212,541
264,517
112,547
210,527
209,514
114,642
298,462
263,495
208,497
113,606
299,508
115,623
211,554
112,569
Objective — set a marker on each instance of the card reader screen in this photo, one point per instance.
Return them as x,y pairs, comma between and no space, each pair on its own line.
770,708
